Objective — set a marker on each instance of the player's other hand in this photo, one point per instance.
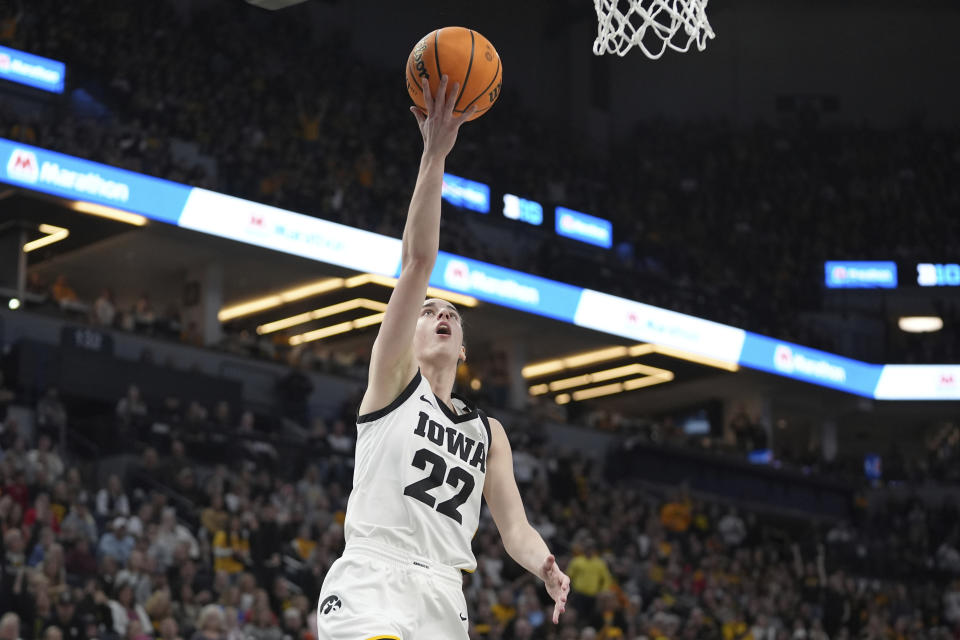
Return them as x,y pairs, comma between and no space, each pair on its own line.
440,127
557,584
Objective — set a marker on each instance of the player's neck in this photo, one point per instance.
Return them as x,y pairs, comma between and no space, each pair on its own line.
441,379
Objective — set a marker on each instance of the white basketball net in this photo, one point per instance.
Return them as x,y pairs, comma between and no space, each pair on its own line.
652,25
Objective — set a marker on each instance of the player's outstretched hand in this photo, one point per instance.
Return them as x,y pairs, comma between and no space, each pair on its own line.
440,126
557,584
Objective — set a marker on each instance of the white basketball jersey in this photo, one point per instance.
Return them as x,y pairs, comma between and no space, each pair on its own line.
418,477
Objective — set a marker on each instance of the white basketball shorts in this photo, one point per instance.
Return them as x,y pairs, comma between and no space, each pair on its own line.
377,592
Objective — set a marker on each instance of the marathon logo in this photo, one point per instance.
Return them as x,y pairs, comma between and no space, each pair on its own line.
24,167
788,362
459,276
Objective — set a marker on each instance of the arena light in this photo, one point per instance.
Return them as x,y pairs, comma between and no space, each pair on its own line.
920,324
112,213
13,304
563,398
707,361
539,389
603,376
543,368
54,234
323,286
546,367
277,299
336,329
323,312
620,387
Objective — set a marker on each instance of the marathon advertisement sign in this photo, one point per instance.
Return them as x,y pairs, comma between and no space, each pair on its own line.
76,179
860,275
809,365
297,234
646,323
288,232
506,287
919,382
33,71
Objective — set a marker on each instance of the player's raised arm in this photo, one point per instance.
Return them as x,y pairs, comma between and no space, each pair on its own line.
520,539
392,363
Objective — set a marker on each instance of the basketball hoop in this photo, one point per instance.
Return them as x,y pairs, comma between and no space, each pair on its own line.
652,25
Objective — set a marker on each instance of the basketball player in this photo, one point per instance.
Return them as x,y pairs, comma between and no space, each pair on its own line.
423,454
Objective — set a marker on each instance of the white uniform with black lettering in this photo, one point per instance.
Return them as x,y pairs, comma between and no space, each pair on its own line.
415,506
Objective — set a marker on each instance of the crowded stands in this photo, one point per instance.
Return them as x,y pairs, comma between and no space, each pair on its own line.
243,121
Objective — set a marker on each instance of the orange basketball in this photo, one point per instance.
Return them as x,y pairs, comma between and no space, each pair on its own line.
464,56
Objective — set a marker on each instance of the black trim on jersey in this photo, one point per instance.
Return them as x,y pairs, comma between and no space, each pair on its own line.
486,425
454,418
399,400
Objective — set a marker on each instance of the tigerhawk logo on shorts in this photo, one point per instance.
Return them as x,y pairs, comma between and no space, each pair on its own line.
330,604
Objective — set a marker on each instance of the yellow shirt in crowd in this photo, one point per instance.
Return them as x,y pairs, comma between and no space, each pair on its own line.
589,576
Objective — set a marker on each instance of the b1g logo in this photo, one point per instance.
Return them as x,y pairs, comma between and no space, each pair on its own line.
23,166
330,605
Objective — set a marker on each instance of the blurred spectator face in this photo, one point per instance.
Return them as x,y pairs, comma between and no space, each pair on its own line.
135,563
125,594
211,619
292,620
53,633
522,630
65,606
9,626
168,628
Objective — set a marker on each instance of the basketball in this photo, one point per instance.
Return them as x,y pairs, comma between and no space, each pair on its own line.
466,57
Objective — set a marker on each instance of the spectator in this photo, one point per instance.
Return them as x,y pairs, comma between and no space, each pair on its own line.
589,575
126,613
80,520
292,624
65,618
131,410
116,542
676,515
104,309
61,292
51,414
40,514
144,316
170,537
215,517
263,625
231,548
210,624
80,562
169,629
731,529
158,607
10,626
43,463
112,501
135,574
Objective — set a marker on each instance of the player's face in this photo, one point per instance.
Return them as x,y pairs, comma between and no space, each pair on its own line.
439,332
